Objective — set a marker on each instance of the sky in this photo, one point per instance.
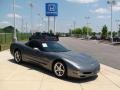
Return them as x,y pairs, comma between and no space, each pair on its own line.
69,11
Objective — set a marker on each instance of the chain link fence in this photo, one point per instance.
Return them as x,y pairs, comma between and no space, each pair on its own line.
6,39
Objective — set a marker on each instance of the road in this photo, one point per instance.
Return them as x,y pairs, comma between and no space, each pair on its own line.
104,53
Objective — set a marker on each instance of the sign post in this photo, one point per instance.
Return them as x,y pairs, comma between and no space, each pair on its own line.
48,24
54,25
51,11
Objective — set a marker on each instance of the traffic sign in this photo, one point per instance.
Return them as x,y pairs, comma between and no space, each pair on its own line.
51,9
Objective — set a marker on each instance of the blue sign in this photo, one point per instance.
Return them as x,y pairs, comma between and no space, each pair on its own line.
51,9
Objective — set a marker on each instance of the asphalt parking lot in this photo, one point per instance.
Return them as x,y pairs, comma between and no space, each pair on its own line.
105,53
31,77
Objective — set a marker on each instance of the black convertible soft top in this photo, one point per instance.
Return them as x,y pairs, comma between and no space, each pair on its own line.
44,37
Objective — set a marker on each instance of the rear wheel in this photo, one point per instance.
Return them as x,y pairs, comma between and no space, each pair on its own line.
59,69
17,56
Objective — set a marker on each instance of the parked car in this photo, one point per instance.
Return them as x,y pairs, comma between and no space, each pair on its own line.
56,58
116,39
93,38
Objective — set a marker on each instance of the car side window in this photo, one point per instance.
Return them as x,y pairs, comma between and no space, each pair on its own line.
31,44
34,44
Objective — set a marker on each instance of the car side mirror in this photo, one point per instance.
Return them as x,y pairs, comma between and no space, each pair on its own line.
36,49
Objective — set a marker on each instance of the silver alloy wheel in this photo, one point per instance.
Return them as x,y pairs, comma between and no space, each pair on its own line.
59,69
17,56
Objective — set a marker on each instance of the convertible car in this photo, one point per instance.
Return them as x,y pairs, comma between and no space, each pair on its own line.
56,58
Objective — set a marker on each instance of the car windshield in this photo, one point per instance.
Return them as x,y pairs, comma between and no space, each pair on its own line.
53,47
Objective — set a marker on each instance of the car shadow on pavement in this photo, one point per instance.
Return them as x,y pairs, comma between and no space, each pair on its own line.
40,69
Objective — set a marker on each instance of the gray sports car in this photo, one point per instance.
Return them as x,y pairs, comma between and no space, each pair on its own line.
54,57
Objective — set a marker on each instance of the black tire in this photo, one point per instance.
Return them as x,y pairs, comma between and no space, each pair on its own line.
63,72
17,56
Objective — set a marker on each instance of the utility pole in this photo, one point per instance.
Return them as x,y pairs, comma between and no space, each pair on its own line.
111,2
14,21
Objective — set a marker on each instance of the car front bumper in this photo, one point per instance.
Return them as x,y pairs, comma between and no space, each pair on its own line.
83,74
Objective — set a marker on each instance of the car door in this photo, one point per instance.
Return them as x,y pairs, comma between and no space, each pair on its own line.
30,52
42,57
34,53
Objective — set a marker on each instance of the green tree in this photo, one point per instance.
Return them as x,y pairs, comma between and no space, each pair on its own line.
109,33
114,34
104,32
77,31
93,33
86,30
8,29
51,32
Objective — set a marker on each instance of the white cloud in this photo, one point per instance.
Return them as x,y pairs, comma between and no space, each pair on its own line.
17,6
82,1
100,11
117,7
103,17
3,24
11,15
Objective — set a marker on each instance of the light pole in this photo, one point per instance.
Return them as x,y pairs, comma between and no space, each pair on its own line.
14,21
119,31
31,7
40,20
111,2
118,25
44,24
26,27
87,19
22,23
70,29
74,24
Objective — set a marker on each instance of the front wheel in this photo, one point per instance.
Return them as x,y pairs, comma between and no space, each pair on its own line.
59,69
17,56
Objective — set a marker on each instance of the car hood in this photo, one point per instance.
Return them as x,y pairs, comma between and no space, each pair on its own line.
81,59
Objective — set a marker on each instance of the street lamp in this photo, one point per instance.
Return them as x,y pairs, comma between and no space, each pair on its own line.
111,2
14,35
87,19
